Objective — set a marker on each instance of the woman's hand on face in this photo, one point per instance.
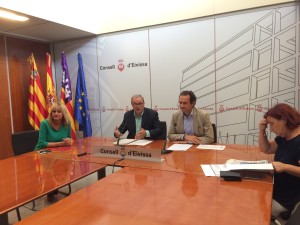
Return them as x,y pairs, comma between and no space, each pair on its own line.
263,125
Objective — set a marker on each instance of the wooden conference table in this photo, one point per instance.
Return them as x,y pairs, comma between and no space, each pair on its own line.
174,191
178,161
29,176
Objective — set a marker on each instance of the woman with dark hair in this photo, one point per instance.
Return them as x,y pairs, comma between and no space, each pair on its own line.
284,121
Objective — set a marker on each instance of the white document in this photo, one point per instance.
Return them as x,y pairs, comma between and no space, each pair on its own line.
213,170
124,141
251,166
180,147
141,142
211,147
237,161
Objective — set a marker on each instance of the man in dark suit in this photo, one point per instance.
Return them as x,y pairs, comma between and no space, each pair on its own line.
140,122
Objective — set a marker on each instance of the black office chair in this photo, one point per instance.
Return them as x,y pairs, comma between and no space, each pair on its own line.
163,135
295,216
290,217
215,132
23,142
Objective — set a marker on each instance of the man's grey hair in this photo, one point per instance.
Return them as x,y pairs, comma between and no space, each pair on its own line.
137,96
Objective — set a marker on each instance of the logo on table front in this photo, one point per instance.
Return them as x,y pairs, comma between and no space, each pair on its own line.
121,65
123,153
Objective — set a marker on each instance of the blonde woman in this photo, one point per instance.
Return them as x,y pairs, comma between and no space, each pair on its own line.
55,131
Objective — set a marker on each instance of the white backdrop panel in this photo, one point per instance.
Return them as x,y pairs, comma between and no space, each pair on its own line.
123,66
238,65
173,49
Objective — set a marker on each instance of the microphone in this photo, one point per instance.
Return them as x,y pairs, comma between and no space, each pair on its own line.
164,150
121,131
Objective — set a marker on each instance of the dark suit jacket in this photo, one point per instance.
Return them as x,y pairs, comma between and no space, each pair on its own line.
150,122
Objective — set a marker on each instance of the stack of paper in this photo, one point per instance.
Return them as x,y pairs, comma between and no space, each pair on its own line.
180,147
141,142
214,169
237,161
251,166
211,147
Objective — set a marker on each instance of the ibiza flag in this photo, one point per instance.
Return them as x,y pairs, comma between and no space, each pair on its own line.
82,115
51,91
37,110
66,92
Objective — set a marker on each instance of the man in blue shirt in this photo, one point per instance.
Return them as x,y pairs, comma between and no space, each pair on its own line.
189,124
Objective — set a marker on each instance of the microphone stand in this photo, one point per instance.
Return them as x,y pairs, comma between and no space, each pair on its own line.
164,150
118,140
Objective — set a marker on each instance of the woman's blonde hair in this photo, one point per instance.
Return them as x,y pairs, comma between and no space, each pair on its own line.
63,109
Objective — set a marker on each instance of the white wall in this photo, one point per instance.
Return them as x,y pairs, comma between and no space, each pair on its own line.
238,65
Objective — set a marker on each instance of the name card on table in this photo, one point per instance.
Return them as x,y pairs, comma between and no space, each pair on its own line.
145,154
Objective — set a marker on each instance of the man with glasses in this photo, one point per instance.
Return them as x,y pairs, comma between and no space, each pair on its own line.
189,124
140,122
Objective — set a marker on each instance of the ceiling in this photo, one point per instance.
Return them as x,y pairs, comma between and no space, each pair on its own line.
41,29
58,20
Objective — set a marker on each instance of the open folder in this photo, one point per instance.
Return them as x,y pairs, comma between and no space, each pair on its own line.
261,165
214,169
250,166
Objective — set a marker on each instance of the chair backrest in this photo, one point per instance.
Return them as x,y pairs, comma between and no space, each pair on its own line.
215,132
163,135
295,217
24,141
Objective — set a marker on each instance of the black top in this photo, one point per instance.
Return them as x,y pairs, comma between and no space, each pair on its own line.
150,121
286,186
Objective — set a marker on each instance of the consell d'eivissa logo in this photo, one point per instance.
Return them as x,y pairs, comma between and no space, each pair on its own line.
121,66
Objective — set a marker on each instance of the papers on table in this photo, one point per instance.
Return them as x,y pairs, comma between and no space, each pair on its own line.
184,147
180,147
214,169
261,165
237,161
141,142
211,147
251,166
124,141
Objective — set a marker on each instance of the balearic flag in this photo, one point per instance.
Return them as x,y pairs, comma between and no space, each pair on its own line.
81,111
66,93
51,91
37,111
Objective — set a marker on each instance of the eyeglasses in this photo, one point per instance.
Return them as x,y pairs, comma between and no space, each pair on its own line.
138,103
